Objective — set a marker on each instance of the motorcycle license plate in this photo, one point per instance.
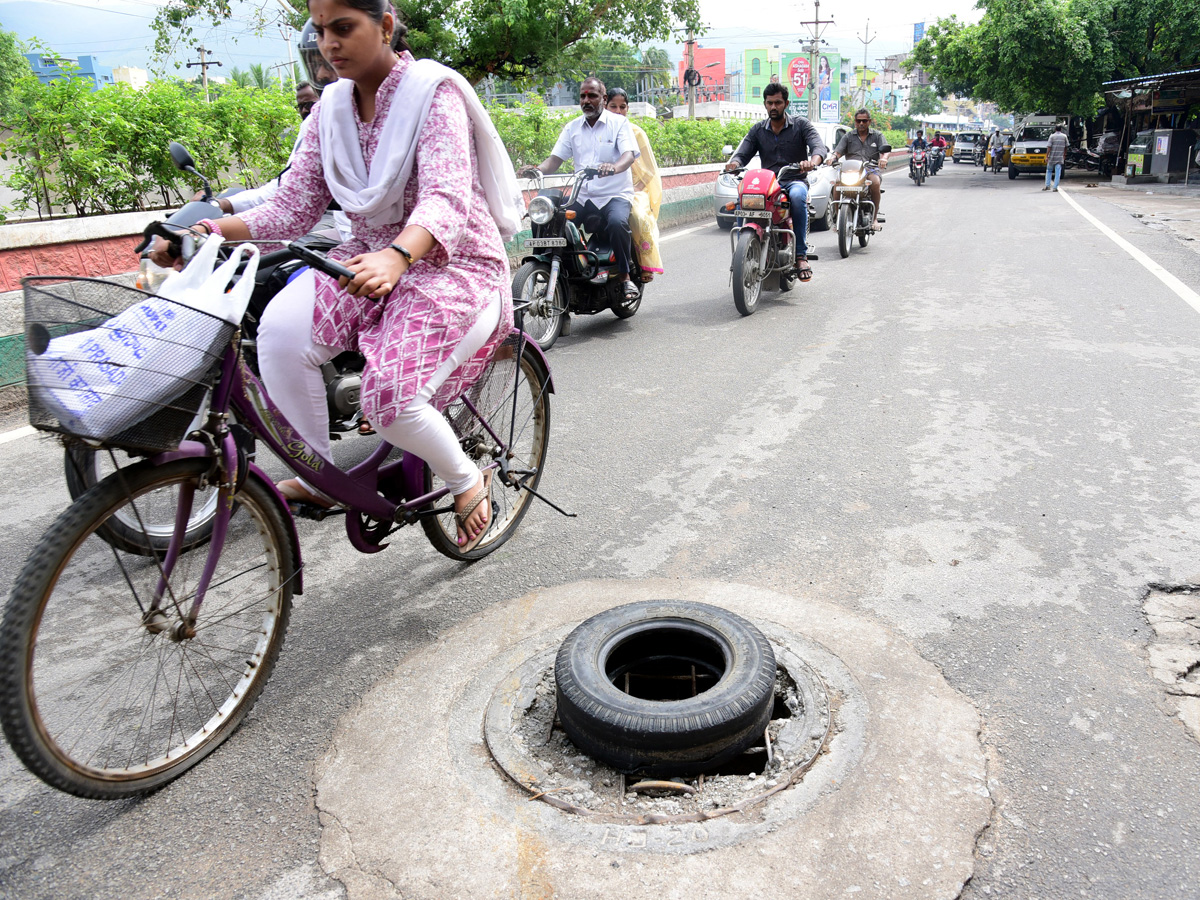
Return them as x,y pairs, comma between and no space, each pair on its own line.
754,214
546,242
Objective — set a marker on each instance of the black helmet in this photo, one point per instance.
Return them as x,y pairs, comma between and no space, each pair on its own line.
320,73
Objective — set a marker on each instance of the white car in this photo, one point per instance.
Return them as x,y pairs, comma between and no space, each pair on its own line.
820,182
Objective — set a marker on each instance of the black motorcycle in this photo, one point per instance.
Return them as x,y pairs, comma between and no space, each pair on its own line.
572,269
84,466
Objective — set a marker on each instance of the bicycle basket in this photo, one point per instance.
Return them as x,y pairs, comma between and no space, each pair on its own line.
116,365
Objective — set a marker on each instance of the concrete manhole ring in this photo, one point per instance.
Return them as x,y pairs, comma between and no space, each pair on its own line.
412,802
817,728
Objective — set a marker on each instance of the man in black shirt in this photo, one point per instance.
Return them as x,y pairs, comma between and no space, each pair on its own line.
867,145
782,140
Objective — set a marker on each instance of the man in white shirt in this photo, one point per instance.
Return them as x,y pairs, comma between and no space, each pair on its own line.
602,140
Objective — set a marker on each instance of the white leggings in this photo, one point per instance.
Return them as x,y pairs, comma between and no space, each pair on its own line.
291,368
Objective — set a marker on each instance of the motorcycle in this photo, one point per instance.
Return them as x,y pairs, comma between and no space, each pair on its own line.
937,156
764,241
917,166
856,211
84,466
978,154
572,269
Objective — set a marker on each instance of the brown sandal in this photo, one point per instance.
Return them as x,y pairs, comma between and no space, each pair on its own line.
460,518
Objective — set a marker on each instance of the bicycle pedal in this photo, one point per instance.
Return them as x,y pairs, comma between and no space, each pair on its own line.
312,511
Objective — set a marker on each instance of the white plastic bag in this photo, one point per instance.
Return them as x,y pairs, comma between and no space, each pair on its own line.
99,382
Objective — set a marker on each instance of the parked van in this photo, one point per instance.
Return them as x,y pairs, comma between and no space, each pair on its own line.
964,146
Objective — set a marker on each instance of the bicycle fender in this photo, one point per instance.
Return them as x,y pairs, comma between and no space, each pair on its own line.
540,355
253,471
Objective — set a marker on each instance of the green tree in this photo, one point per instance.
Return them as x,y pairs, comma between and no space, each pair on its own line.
924,102
240,77
515,39
260,77
13,68
1055,55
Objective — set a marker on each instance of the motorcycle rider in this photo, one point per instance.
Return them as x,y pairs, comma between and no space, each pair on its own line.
938,143
781,140
918,143
865,144
604,140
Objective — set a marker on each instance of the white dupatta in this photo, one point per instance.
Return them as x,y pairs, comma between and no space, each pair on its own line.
378,194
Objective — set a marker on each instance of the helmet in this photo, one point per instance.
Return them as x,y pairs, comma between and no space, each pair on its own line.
320,73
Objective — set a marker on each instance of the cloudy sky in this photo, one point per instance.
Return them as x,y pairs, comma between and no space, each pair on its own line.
118,32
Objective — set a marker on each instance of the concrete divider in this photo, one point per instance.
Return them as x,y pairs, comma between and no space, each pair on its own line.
102,247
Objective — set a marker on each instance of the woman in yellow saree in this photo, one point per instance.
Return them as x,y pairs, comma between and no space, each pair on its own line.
643,219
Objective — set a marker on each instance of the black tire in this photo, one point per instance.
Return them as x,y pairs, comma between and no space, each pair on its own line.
544,319
863,236
1013,172
843,229
676,736
74,637
725,223
84,468
747,272
492,395
827,221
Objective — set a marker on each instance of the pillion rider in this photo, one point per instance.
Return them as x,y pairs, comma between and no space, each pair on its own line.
603,140
781,140
866,145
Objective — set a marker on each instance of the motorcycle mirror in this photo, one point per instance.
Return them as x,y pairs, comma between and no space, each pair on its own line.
179,155
726,150
886,148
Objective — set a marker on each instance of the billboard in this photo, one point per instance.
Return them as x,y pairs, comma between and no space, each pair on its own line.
815,96
918,32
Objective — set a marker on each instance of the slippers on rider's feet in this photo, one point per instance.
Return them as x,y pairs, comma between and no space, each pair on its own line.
803,270
631,291
365,427
460,518
295,491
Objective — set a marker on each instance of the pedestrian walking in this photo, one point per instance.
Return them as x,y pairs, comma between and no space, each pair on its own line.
1056,154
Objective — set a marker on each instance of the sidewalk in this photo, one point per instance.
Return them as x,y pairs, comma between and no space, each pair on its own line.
1176,212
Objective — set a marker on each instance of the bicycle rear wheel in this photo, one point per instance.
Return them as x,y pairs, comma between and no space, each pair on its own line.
528,422
99,698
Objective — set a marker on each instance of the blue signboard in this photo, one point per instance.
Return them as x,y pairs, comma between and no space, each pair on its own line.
918,32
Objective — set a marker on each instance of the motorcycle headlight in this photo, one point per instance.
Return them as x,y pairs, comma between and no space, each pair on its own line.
852,178
541,210
754,201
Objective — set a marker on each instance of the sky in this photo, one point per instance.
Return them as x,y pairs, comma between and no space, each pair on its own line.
117,32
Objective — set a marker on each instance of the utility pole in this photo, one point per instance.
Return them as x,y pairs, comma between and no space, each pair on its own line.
287,36
815,31
866,42
204,63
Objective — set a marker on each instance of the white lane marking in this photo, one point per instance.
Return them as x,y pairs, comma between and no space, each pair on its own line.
684,232
17,434
1185,293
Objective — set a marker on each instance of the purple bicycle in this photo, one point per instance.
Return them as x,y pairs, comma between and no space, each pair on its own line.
122,667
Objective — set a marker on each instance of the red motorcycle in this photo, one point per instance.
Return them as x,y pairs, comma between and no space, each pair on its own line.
763,242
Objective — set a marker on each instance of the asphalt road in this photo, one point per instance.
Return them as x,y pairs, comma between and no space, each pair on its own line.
980,430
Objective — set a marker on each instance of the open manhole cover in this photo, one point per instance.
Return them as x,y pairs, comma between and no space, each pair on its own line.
817,719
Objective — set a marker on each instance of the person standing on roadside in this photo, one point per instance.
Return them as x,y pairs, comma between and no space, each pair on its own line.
1056,155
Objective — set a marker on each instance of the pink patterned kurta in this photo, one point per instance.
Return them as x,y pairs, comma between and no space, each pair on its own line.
406,336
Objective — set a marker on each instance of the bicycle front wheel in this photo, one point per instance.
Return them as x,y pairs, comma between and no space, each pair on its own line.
103,694
514,401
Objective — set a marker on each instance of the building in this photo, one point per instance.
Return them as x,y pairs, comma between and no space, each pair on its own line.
760,66
131,75
710,63
48,67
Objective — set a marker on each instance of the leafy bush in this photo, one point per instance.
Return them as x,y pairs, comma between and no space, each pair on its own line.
106,151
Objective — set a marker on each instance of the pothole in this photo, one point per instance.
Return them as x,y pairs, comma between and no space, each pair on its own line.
1173,611
810,714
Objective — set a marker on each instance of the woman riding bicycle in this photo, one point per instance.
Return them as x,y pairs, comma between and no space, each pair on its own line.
410,155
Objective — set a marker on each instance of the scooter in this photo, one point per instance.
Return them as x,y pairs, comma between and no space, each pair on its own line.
764,241
572,269
937,156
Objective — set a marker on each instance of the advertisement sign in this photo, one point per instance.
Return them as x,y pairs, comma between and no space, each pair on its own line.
815,95
798,71
918,32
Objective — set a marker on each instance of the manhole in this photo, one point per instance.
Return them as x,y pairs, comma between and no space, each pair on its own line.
817,719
